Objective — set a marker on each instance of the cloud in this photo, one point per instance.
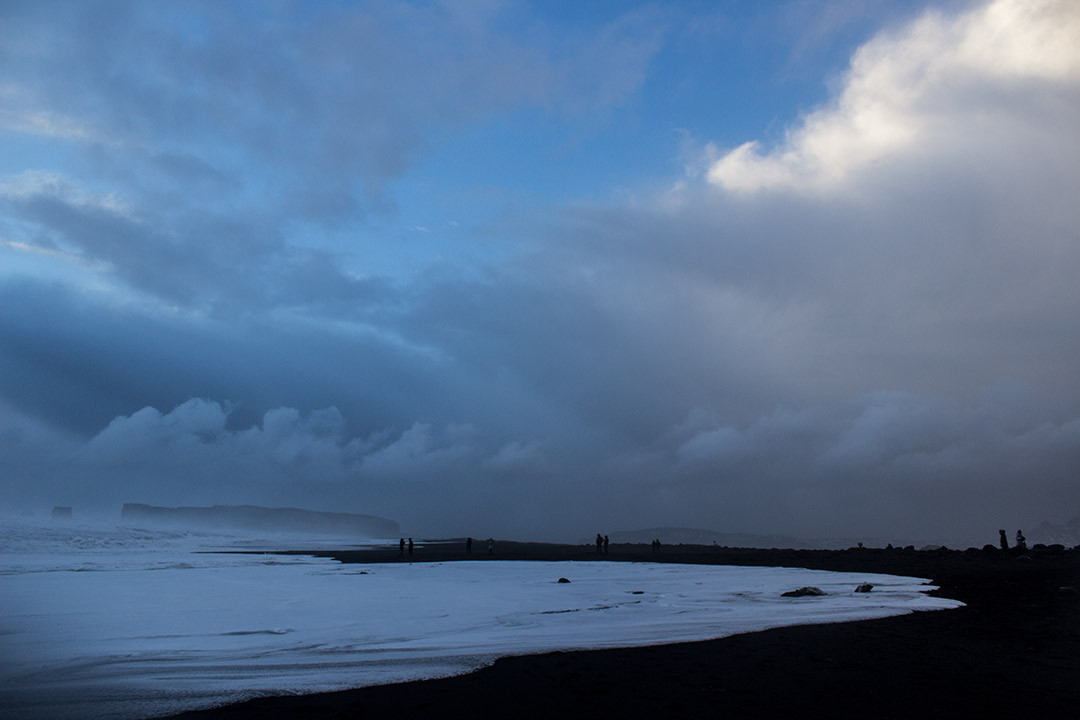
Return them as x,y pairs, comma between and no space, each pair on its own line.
231,160
871,328
194,454
884,465
988,72
318,108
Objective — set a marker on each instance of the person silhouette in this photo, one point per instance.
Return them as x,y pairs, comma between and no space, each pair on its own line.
468,546
606,542
410,546
401,547
599,542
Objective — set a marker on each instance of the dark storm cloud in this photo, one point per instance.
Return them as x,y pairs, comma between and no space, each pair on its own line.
78,364
887,465
197,260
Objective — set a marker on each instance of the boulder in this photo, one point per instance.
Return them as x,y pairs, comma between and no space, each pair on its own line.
563,580
804,592
864,587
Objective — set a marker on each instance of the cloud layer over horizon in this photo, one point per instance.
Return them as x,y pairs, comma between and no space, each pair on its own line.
414,260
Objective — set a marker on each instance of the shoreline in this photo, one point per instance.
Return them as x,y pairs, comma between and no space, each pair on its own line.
1014,649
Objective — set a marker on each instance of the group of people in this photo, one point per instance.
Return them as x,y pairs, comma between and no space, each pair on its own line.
1021,541
602,543
402,545
490,543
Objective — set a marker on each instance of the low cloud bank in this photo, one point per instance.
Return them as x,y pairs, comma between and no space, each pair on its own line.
883,465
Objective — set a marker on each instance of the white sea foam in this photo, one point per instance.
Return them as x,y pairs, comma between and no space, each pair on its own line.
128,623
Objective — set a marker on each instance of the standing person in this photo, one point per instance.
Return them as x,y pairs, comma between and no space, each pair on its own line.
599,543
491,546
606,541
410,547
401,548
468,546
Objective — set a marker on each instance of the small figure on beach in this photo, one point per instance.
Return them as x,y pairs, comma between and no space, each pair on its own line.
606,543
491,546
401,547
410,547
656,545
1004,541
1021,541
599,542
468,546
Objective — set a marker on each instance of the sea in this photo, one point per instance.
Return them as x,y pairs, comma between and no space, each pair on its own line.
115,621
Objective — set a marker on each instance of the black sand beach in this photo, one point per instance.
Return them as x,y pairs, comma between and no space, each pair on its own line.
1014,651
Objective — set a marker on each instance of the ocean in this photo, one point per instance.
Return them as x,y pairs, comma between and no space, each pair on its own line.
108,621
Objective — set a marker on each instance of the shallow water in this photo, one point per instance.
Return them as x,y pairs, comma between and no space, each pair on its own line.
115,622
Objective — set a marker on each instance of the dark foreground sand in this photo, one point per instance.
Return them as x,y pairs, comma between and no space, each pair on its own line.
1014,651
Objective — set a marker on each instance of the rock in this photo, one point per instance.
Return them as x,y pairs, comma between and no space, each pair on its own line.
864,587
563,580
804,592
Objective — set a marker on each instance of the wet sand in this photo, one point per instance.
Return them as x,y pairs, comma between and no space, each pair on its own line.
1014,651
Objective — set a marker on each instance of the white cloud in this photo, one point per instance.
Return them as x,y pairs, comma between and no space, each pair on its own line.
917,89
14,115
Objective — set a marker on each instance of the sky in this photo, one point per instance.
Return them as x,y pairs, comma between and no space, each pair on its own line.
543,269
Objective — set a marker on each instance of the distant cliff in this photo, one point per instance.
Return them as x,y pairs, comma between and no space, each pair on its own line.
251,517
